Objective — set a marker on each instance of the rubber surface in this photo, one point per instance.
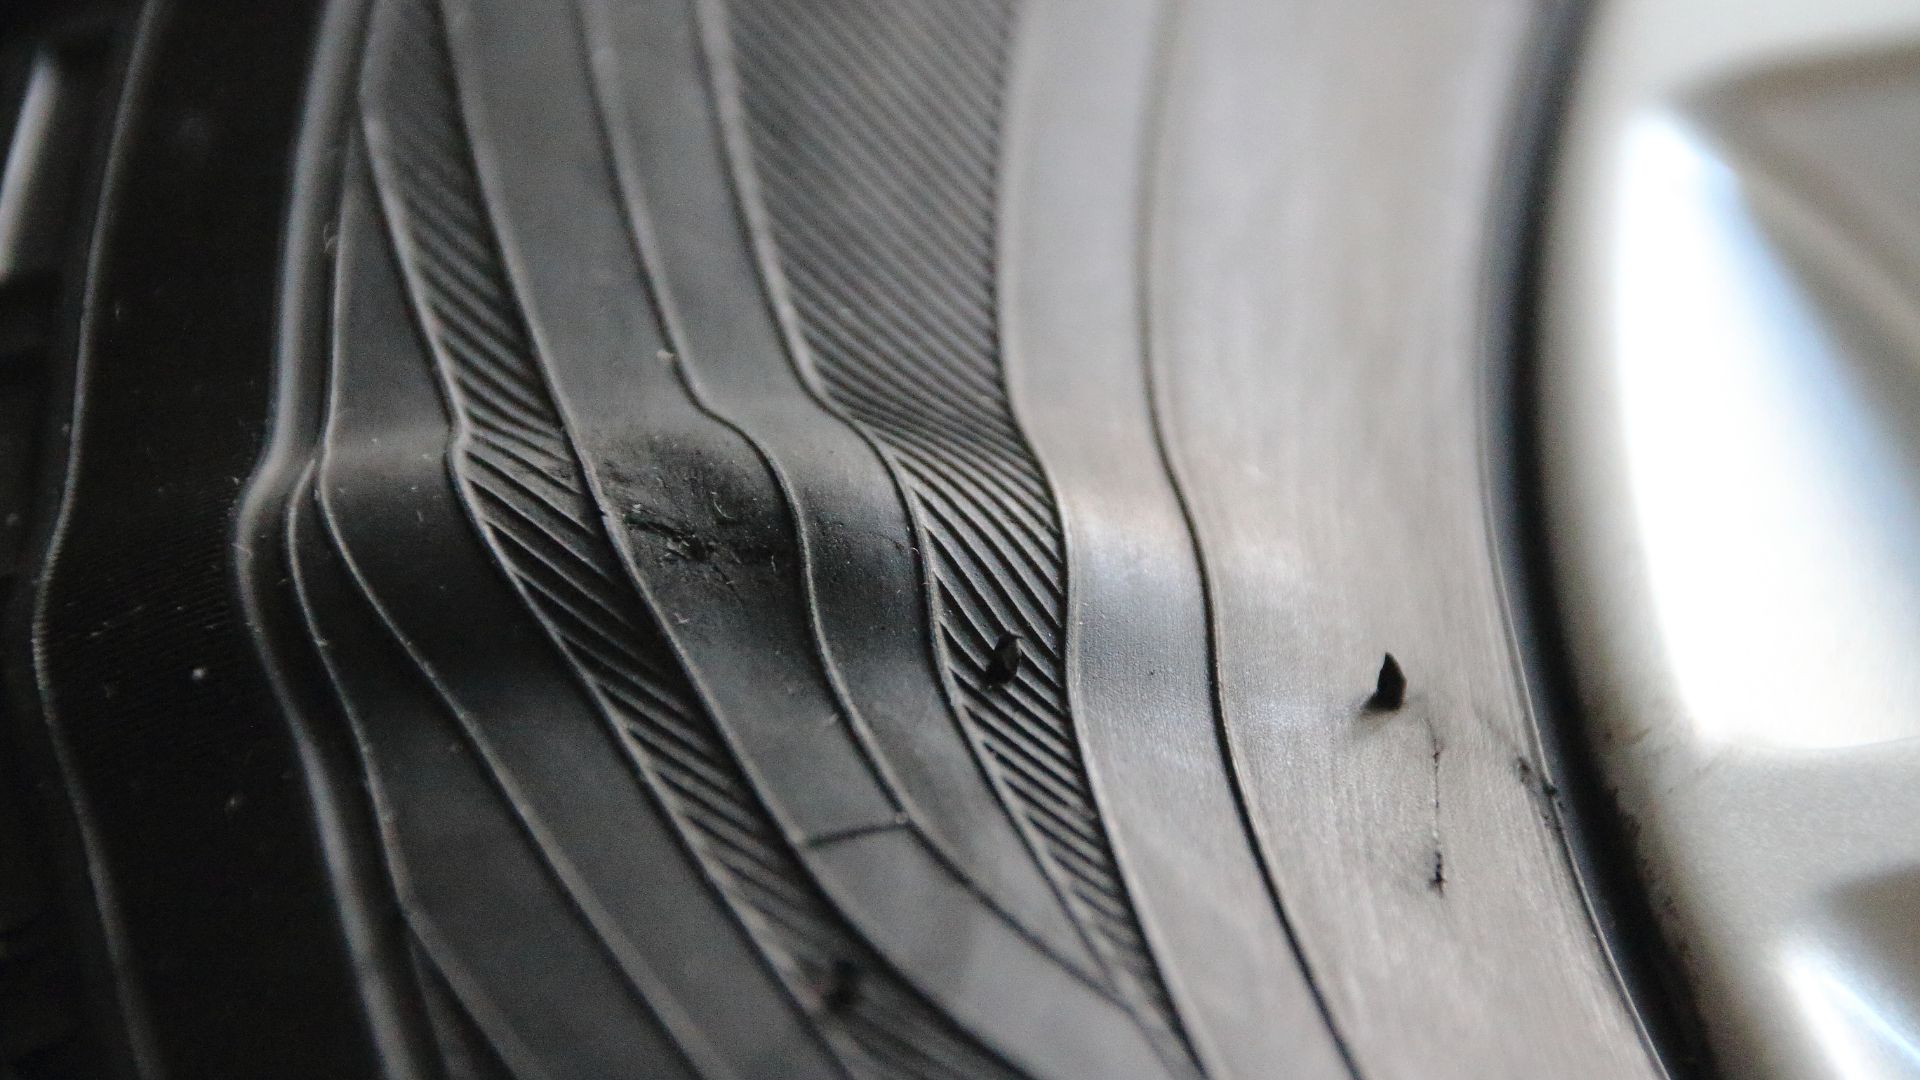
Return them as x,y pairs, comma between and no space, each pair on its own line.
812,540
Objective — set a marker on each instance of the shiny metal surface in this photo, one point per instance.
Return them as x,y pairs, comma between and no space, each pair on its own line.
1732,426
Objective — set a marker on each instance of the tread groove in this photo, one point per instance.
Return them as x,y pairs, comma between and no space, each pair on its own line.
879,186
678,749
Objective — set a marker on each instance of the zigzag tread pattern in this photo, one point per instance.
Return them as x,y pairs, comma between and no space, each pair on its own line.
527,489
873,126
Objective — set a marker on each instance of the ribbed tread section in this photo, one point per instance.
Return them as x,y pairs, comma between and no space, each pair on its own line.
874,132
527,489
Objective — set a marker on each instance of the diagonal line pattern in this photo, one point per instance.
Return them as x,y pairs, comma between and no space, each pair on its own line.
527,490
874,128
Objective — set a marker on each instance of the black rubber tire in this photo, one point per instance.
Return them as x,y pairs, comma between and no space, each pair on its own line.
736,538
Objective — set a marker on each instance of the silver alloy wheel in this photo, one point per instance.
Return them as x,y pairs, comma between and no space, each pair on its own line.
1731,422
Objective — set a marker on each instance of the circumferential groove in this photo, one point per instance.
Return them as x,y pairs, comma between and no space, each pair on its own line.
526,487
874,129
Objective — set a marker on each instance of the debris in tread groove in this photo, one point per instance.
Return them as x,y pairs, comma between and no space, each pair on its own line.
840,989
1547,787
1390,689
1004,664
